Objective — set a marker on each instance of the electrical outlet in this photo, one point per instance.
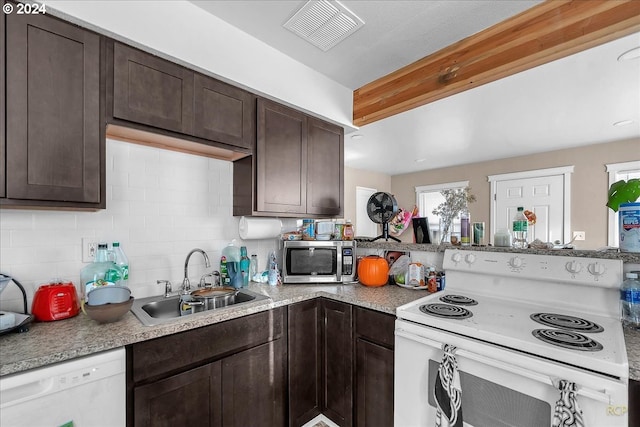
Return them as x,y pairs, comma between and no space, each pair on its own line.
579,235
89,248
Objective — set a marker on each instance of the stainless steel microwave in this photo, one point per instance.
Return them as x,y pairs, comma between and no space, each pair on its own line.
317,261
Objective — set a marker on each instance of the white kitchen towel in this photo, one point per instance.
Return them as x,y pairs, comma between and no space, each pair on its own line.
567,412
447,392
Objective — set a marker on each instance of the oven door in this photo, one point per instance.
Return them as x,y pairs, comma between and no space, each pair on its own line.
500,387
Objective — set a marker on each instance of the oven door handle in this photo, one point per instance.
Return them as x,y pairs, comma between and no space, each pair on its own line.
599,395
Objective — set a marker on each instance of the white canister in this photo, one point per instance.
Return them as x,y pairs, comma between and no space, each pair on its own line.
629,223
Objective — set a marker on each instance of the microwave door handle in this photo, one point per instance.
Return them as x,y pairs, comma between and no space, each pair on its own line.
601,396
339,263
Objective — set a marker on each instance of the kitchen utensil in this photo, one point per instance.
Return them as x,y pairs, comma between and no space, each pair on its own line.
215,297
108,294
108,313
55,301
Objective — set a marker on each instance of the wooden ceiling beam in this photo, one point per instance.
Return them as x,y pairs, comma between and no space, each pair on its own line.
541,34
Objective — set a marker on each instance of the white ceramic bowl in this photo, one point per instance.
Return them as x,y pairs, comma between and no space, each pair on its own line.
323,236
108,295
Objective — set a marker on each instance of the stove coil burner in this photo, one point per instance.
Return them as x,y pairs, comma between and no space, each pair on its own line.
458,300
566,322
567,339
446,310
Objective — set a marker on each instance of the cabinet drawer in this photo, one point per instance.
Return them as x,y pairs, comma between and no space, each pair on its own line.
375,326
179,351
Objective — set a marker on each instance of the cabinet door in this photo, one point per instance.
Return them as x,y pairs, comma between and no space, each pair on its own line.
3,141
634,407
325,170
374,385
151,91
281,159
253,386
223,113
305,367
337,350
54,126
190,398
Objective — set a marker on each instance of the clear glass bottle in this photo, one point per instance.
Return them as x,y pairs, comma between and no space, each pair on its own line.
465,229
121,261
519,228
244,266
274,274
630,300
101,272
253,266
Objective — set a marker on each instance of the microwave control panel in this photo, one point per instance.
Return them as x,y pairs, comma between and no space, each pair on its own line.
347,261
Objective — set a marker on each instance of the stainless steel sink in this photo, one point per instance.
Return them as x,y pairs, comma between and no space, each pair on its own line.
159,309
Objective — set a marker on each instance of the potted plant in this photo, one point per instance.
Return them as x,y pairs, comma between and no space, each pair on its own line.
455,202
623,198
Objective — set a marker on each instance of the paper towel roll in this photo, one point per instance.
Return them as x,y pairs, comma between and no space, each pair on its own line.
259,228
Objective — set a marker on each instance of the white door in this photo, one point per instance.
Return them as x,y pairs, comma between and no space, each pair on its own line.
364,226
542,195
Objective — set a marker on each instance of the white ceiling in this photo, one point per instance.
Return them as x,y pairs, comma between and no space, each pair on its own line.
568,103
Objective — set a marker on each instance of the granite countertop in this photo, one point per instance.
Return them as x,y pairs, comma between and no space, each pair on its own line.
627,257
52,342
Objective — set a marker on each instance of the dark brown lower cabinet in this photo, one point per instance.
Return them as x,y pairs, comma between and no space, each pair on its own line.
188,398
228,374
305,368
374,385
337,366
253,386
634,403
374,335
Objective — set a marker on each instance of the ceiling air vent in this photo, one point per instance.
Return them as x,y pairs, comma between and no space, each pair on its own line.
323,23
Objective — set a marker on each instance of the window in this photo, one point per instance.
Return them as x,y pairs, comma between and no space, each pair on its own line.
428,197
618,171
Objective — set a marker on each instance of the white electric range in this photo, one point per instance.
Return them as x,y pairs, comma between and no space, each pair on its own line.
520,323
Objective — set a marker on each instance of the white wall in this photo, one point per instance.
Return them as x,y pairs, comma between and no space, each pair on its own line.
160,205
197,39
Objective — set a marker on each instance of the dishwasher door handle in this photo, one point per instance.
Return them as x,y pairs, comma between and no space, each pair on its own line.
28,391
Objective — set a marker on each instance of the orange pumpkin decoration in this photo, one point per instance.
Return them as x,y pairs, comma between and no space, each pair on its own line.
373,271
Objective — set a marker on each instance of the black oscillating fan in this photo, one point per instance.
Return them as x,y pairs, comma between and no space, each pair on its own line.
381,208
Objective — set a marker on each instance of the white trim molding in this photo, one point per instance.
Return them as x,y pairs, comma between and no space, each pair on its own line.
613,169
438,187
566,171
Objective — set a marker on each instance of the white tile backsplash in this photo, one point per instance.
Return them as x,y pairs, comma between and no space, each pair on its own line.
160,205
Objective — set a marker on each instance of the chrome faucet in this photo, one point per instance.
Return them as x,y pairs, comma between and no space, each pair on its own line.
186,285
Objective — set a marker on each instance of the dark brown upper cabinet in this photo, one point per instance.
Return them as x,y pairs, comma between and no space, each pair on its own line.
281,154
325,168
153,100
223,113
54,147
297,169
151,91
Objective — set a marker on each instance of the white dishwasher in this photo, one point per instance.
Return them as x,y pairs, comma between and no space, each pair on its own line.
83,392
